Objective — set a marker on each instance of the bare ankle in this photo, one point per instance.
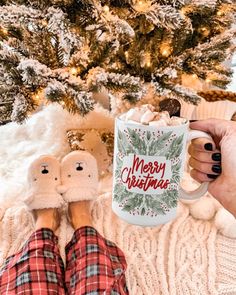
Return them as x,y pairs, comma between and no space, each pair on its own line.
47,218
79,214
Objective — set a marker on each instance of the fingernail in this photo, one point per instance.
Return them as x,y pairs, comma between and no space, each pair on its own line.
212,176
216,169
216,157
208,146
191,121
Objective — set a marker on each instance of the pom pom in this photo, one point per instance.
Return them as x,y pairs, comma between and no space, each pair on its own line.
203,209
226,223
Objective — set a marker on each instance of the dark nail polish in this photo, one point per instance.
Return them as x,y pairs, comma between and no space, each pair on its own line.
212,176
208,146
216,168
191,121
216,157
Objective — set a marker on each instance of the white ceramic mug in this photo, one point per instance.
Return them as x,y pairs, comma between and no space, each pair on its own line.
148,166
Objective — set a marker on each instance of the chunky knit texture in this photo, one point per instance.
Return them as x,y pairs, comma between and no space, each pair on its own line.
185,257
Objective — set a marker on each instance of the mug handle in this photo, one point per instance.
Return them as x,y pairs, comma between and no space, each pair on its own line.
203,188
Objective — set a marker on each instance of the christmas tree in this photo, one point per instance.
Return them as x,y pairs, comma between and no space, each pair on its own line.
66,51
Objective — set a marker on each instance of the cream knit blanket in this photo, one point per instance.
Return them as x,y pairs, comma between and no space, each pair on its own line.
185,257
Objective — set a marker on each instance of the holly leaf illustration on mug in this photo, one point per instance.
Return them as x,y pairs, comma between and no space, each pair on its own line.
120,193
155,205
120,141
175,148
138,143
148,135
170,198
176,172
119,164
158,144
133,203
123,144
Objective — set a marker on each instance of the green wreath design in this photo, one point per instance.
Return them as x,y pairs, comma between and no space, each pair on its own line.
130,142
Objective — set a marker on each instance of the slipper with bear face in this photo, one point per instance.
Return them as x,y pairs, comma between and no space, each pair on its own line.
44,178
79,176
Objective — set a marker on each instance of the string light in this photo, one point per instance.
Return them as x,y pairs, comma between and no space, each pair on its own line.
165,50
223,9
184,10
126,54
117,65
74,30
37,96
106,8
145,59
208,80
44,22
194,76
142,6
204,31
73,71
4,31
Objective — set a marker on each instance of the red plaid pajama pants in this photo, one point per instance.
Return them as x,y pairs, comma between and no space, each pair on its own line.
94,266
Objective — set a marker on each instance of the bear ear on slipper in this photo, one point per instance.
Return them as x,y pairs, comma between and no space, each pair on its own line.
79,176
44,178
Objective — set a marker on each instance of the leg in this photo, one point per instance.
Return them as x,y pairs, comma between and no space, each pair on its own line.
38,267
94,264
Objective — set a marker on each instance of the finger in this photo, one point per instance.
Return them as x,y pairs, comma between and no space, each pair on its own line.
204,144
215,127
205,167
208,157
202,177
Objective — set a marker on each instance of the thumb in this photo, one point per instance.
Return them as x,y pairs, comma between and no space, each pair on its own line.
215,127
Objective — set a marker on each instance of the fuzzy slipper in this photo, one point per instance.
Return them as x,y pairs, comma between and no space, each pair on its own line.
44,178
79,177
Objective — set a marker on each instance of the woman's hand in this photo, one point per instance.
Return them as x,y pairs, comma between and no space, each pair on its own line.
215,161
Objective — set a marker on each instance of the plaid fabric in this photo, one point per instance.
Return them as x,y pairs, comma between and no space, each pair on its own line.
36,269
94,266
